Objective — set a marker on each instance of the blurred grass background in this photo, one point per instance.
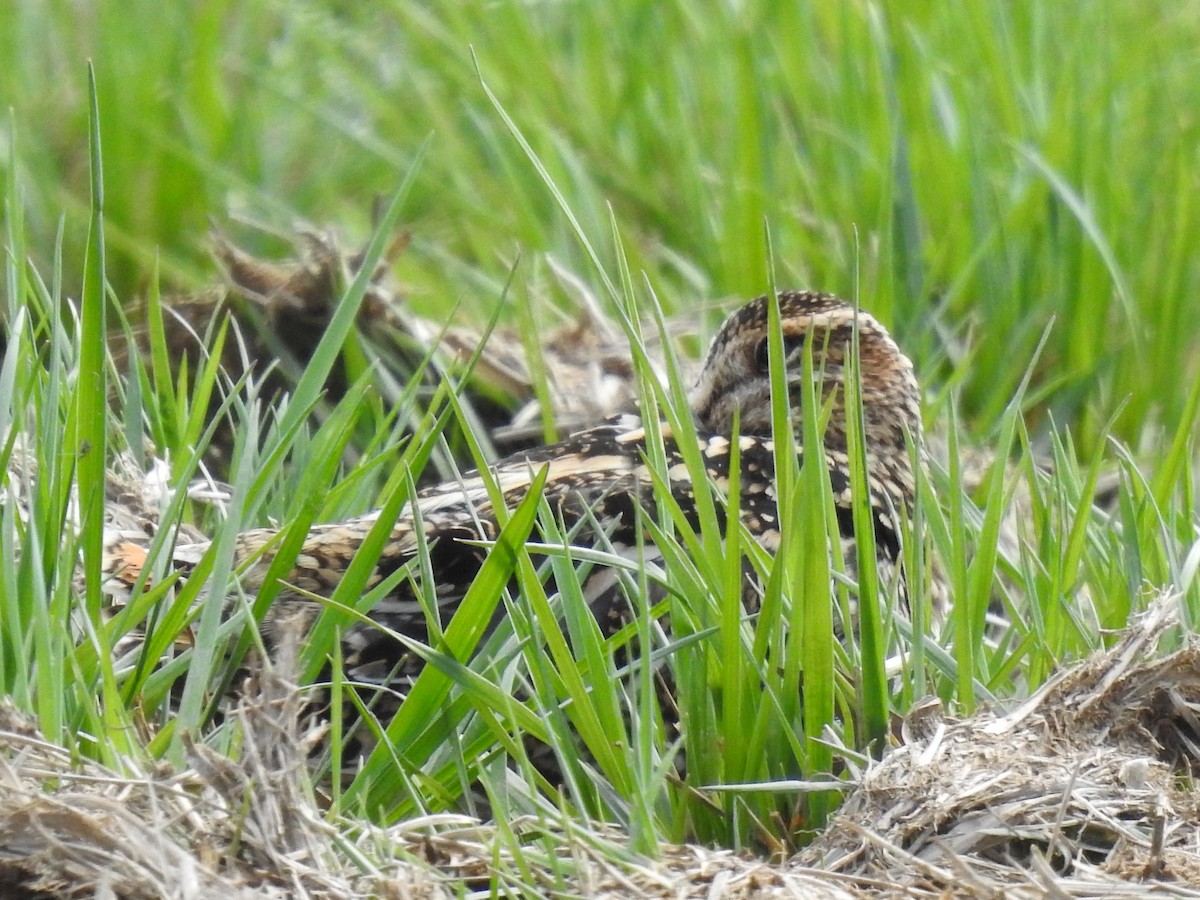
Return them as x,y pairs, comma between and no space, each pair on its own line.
971,171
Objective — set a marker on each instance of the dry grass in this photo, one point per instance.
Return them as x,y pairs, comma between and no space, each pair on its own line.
70,828
1081,791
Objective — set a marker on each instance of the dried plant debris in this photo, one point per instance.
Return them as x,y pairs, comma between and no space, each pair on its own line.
1081,791
219,829
281,309
250,829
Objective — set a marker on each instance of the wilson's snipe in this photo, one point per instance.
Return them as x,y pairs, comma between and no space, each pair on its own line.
598,477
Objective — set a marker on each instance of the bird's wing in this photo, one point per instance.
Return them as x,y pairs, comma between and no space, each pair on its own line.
596,474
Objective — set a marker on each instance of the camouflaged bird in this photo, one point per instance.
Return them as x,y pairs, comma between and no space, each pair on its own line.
599,476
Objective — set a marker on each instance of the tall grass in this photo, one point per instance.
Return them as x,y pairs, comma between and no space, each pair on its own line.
982,177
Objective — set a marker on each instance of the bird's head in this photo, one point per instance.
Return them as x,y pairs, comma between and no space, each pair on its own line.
735,378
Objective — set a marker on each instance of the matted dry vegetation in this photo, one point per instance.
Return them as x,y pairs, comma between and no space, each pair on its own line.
1084,790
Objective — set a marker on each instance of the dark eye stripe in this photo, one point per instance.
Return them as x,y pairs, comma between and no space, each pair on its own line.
791,343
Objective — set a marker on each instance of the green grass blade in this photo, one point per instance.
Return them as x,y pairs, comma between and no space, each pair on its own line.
459,641
873,643
89,431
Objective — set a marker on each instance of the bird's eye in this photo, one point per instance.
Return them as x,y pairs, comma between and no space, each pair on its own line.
762,354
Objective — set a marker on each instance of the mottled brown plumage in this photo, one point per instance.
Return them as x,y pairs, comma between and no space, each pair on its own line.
599,475
734,378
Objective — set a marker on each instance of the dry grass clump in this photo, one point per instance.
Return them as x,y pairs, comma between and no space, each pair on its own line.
282,308
1084,790
72,828
1081,791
